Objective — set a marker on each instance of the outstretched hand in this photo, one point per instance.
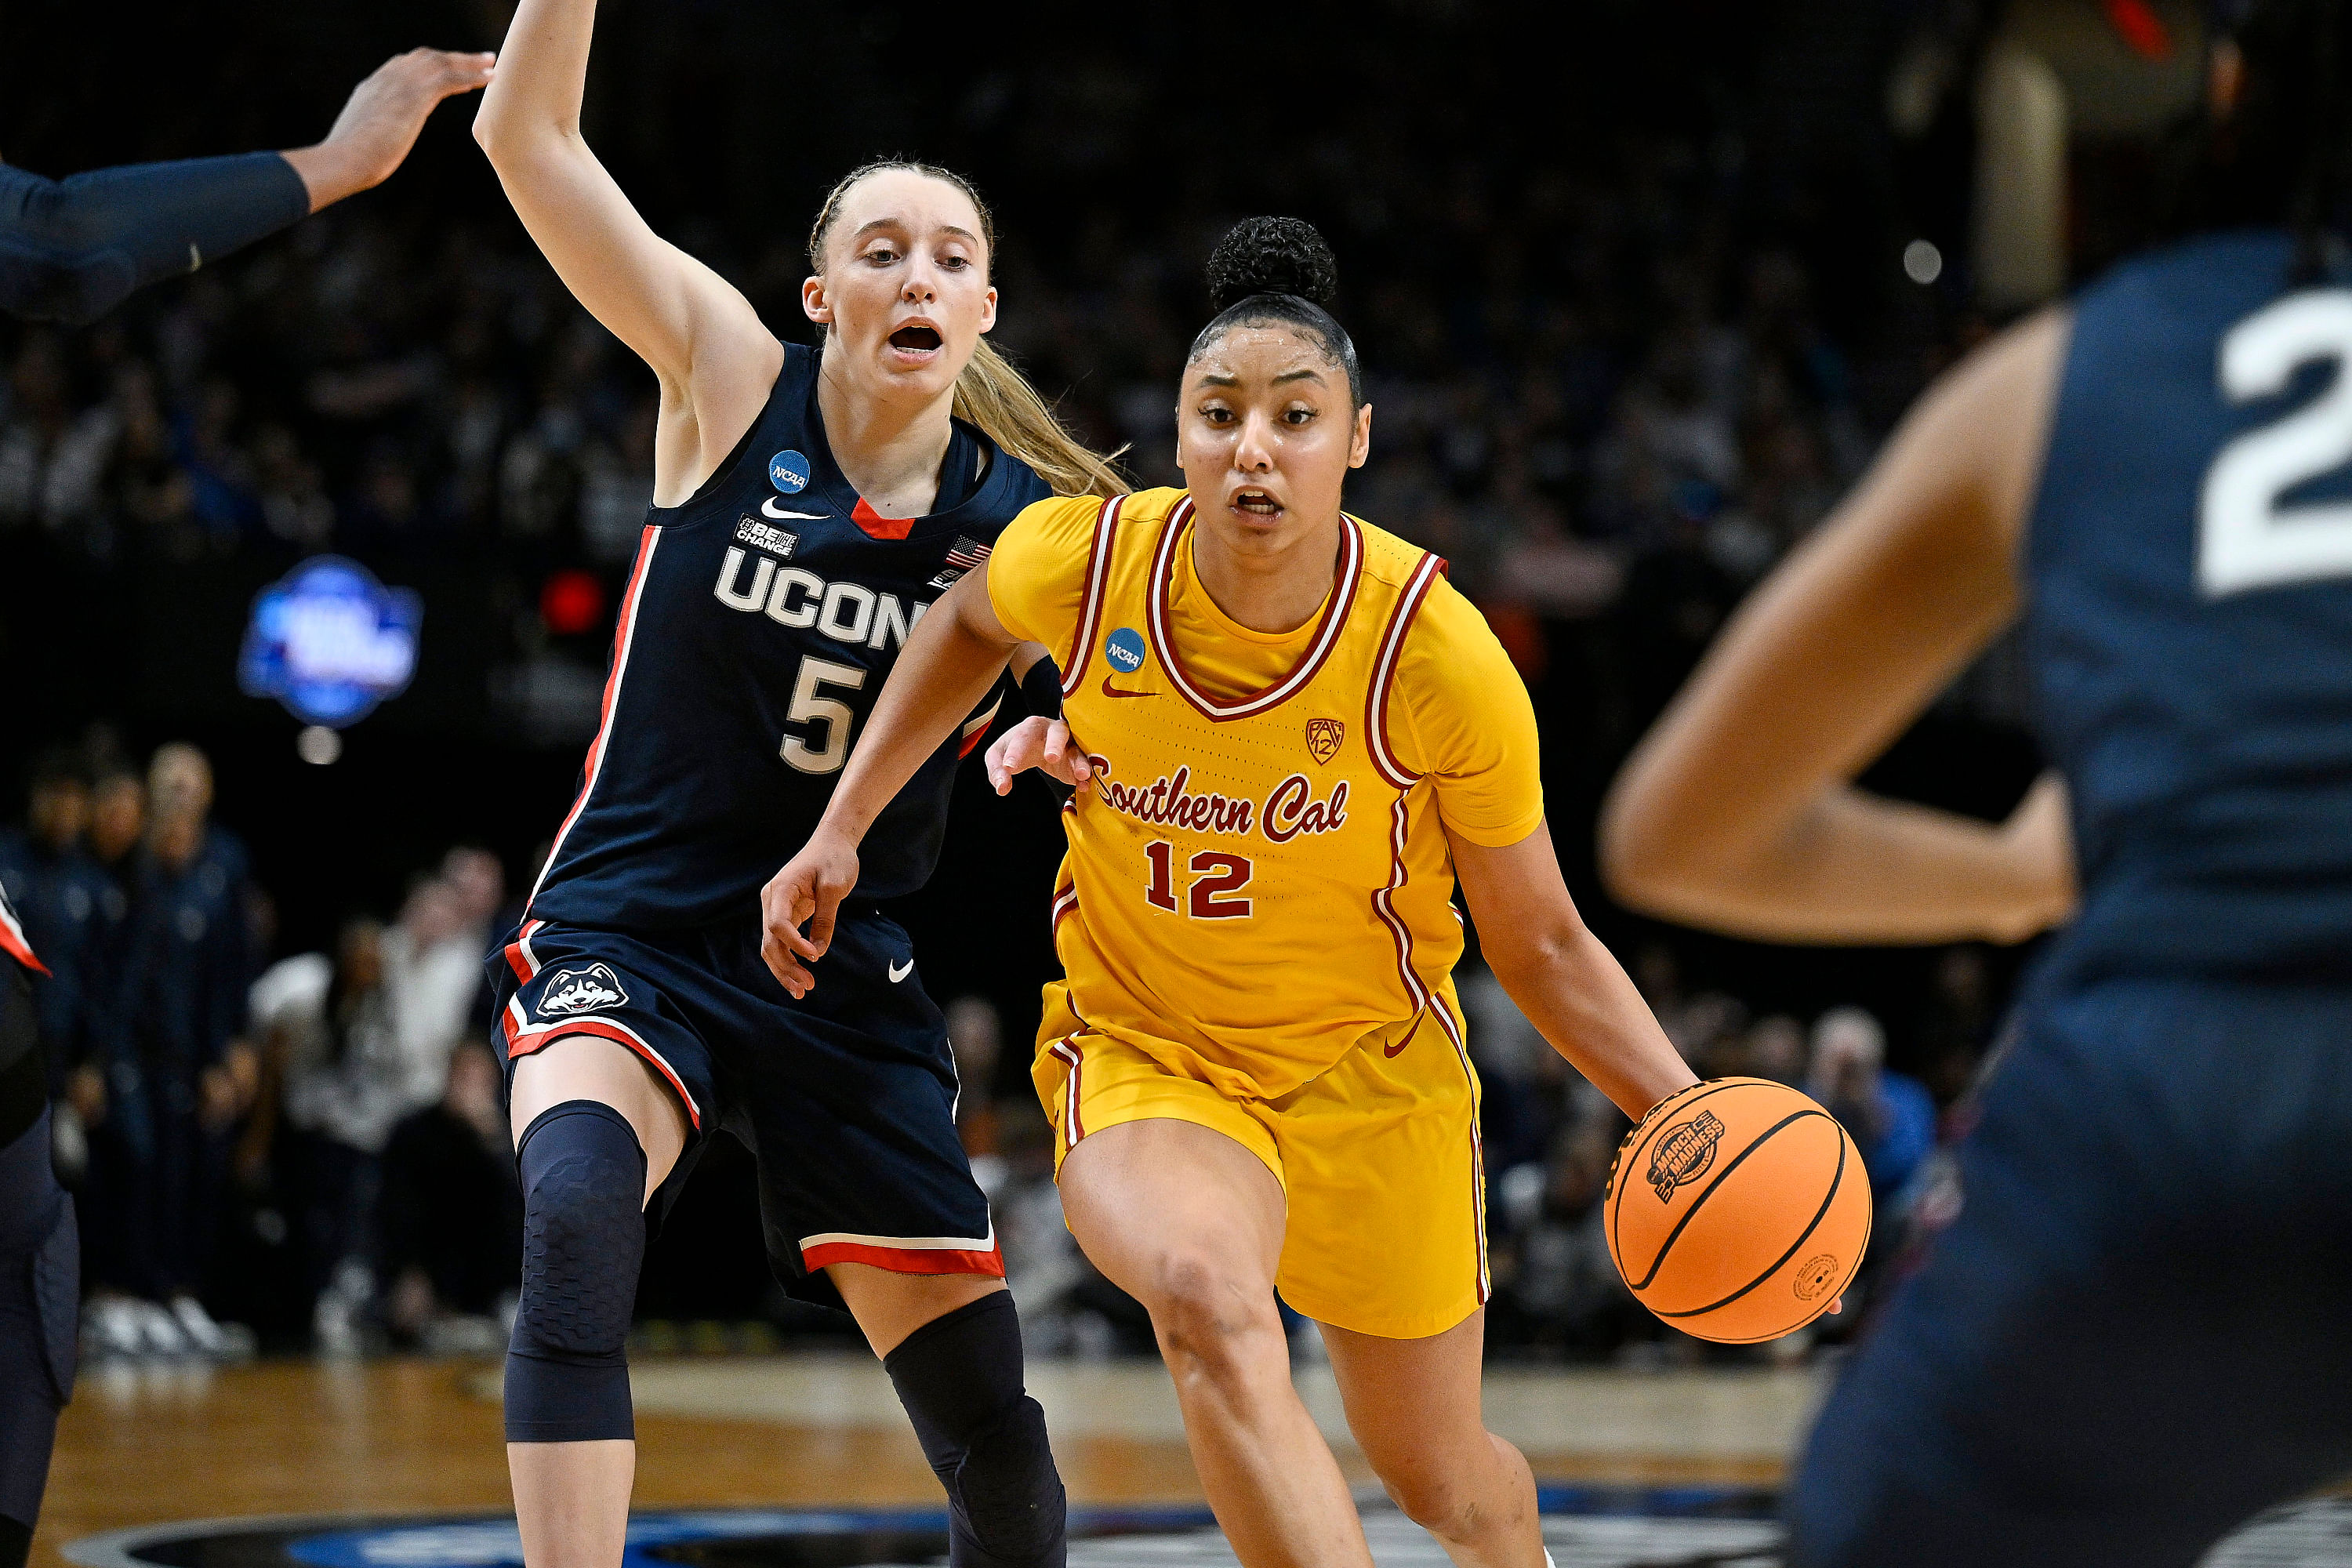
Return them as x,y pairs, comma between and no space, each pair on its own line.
809,888
381,120
1042,743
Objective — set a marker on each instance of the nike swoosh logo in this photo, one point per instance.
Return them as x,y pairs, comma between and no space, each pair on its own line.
769,509
901,971
1111,690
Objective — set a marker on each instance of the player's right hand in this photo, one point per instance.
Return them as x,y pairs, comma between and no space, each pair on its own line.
1036,743
809,888
381,120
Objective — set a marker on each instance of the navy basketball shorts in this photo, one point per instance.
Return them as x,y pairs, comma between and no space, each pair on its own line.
846,1099
2134,1334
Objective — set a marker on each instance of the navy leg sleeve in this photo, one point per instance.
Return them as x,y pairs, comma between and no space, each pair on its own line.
584,1183
40,1293
960,1377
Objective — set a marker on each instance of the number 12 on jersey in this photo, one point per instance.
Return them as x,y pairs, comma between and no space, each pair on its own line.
1215,873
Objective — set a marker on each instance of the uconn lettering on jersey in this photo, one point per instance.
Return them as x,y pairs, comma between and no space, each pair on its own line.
796,597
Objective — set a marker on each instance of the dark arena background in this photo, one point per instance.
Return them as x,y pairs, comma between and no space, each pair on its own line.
1640,286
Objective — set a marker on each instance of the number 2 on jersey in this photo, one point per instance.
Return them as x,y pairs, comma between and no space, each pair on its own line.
2245,539
1215,872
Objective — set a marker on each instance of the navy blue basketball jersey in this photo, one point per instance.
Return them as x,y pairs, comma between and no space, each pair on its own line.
2189,567
761,620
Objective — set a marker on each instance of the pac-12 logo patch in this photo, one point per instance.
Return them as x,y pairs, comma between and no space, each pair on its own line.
789,471
585,990
1683,1152
1124,649
1323,738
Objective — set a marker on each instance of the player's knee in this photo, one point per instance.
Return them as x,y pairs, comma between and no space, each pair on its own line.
583,1179
1206,1313
1433,1500
961,1379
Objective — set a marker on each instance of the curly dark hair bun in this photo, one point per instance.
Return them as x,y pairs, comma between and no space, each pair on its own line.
1272,256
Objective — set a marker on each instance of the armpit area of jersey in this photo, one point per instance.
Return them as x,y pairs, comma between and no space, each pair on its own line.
71,250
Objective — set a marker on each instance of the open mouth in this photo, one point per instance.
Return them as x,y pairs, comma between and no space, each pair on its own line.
915,338
1257,503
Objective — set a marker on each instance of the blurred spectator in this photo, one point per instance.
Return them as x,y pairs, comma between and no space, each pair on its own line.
1892,1117
179,1071
59,893
976,1036
451,1228
433,963
1775,1049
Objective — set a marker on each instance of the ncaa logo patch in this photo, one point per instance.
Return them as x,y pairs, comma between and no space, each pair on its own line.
1323,738
1124,649
789,471
582,990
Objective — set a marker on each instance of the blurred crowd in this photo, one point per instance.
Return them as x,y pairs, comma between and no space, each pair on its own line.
338,1111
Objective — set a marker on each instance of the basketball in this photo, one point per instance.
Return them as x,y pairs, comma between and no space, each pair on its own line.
1738,1211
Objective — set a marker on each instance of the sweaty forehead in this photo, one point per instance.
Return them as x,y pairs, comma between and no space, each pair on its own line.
903,199
1263,352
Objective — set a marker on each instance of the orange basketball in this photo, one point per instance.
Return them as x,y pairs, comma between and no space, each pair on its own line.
1737,1210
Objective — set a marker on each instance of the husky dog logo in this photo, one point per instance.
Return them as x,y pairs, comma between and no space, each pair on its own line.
1683,1152
571,991
1817,1274
1323,738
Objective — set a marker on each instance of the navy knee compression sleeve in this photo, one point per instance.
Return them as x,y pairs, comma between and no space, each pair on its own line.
583,1238
40,1286
959,1376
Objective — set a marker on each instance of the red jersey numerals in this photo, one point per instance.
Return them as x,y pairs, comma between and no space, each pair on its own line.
1217,875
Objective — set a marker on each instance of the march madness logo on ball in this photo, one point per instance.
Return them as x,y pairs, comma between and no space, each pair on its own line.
1323,738
1684,1154
571,990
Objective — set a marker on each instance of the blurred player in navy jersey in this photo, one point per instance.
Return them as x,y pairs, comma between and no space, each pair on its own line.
2133,1335
810,505
71,250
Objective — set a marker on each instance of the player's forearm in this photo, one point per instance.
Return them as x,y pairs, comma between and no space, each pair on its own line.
1581,999
1852,868
947,666
534,100
71,250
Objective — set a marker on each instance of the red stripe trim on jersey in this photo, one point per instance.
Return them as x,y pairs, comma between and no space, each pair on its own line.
12,940
520,958
900,1257
1066,1051
1082,635
1065,902
1382,905
1477,1148
874,525
624,636
975,729
1326,634
524,1043
1376,702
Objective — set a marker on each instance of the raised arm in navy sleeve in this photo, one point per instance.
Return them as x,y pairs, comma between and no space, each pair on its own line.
71,250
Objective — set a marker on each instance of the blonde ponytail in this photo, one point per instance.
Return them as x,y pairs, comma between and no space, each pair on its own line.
998,399
989,393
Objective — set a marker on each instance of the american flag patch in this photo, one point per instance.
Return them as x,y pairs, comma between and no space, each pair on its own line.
968,553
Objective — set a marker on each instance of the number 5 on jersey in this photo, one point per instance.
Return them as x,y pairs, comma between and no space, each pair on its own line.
811,706
1215,873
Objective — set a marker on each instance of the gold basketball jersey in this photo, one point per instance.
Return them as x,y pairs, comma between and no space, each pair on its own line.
1255,882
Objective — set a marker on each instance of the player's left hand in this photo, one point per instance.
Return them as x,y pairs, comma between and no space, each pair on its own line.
809,888
381,120
1042,743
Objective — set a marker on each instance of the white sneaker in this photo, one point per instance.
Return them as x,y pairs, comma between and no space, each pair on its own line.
159,1334
109,1330
208,1337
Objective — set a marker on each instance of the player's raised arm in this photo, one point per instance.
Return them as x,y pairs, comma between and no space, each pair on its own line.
72,250
700,336
1738,812
1572,988
952,658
